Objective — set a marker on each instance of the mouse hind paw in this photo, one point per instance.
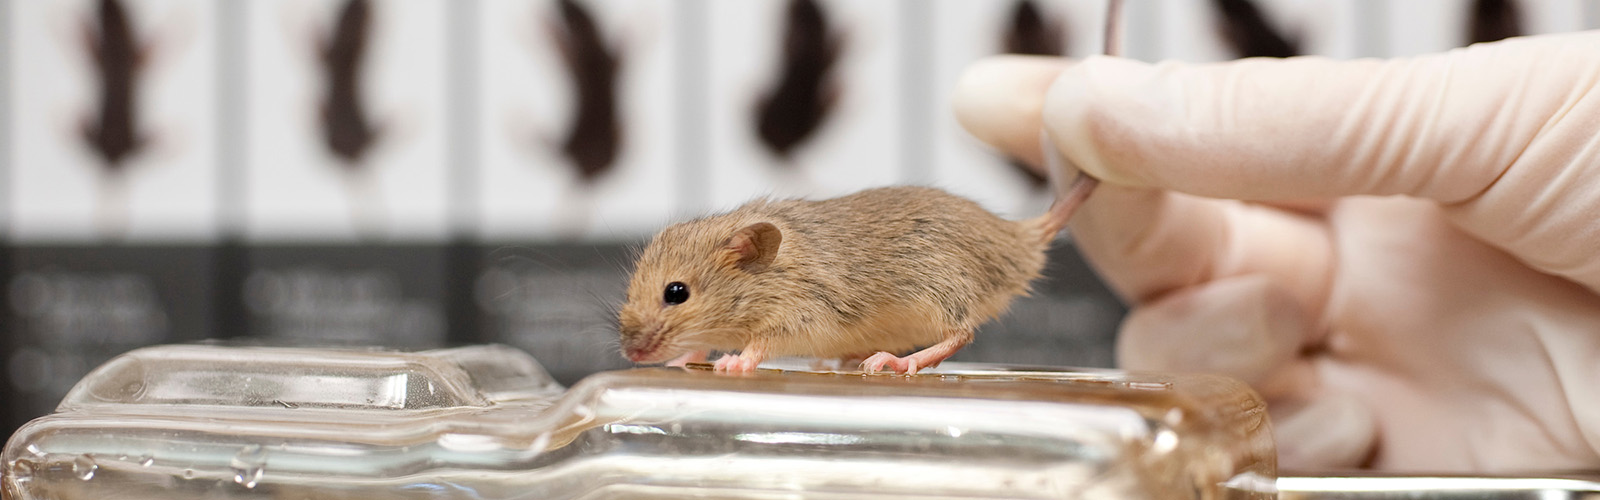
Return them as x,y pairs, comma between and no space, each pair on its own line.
926,358
877,362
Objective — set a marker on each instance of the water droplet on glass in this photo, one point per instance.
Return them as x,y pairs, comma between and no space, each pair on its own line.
249,465
84,467
188,473
248,477
146,460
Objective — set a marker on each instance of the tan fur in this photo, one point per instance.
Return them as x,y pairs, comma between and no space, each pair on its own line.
884,269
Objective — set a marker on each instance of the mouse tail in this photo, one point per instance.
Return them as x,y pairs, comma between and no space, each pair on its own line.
1072,188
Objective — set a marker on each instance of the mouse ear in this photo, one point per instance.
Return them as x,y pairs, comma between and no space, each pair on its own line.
753,247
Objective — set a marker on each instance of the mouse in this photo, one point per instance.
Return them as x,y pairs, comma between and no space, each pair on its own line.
857,277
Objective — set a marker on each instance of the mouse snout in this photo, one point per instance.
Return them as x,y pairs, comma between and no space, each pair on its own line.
635,355
647,354
641,344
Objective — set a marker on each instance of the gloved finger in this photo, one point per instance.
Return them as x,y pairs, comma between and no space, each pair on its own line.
999,101
1330,431
1149,243
1502,133
1441,126
1246,327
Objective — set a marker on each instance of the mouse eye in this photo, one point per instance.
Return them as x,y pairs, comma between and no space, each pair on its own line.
676,293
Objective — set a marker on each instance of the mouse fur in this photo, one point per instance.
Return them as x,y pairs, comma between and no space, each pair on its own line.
886,269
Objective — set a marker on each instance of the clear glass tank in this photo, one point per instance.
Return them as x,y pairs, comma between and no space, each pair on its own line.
486,422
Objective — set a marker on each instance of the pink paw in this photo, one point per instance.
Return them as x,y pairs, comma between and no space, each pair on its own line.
905,365
735,364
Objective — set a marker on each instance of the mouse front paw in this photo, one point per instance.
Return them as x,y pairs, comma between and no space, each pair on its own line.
735,364
877,362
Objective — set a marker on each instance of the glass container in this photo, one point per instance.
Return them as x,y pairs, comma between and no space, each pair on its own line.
486,422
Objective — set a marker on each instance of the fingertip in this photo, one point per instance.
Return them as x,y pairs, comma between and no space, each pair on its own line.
999,99
1103,111
1244,327
1332,431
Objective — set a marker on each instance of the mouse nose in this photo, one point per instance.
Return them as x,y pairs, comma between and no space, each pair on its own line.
641,354
640,347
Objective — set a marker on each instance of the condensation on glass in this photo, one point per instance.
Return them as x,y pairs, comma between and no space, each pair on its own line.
486,422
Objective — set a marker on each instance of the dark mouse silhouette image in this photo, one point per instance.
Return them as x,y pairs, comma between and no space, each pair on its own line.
805,91
347,131
1494,20
1029,31
118,59
1245,28
112,132
594,138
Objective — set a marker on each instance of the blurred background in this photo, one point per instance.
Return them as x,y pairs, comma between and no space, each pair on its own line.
420,173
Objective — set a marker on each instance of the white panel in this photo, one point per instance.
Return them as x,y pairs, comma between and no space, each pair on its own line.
1426,26
62,191
529,189
1086,24
7,118
1321,27
296,189
855,147
1144,29
1343,28
1552,16
1190,32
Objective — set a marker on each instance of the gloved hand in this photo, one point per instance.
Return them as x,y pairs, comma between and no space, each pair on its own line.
1402,256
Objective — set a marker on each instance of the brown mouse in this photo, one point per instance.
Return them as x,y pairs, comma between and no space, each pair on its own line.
861,276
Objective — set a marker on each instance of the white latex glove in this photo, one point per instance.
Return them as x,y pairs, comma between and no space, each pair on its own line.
1411,280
